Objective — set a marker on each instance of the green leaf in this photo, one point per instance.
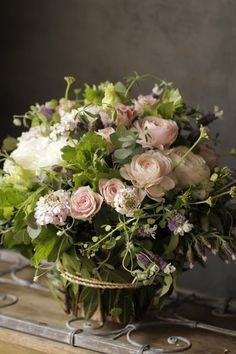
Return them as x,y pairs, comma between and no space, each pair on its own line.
166,109
122,154
10,197
91,302
173,243
127,306
167,284
48,245
69,154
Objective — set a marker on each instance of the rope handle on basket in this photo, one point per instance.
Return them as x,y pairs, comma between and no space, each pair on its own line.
94,283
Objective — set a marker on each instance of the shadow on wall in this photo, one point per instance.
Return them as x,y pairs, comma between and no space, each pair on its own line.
191,43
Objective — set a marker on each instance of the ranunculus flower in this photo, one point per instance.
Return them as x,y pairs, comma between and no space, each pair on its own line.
142,101
156,132
38,152
192,170
109,189
150,171
106,133
85,203
209,155
125,114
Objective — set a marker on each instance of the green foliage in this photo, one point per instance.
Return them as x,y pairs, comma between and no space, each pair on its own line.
125,142
171,102
48,246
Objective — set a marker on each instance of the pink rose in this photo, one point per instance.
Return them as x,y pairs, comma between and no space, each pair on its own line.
192,171
151,172
85,203
156,132
208,154
109,189
106,133
125,114
143,101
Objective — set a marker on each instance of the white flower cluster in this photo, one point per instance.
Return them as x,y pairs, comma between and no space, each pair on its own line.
53,208
67,124
184,228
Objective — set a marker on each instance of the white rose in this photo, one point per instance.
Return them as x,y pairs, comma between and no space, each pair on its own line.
192,171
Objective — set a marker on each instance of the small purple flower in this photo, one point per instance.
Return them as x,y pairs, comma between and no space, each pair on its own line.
47,112
178,224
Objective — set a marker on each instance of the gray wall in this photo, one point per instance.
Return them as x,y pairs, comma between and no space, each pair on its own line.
189,42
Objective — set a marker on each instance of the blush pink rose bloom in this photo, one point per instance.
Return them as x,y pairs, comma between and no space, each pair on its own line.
109,189
142,101
150,171
208,154
85,203
192,171
156,132
125,114
106,134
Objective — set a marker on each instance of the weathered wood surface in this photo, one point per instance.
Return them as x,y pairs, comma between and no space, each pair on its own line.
38,307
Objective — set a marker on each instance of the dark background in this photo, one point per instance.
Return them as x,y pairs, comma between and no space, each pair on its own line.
191,43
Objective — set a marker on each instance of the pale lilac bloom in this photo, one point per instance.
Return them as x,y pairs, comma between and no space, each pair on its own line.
127,200
53,208
178,224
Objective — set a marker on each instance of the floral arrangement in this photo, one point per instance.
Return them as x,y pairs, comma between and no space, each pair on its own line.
117,189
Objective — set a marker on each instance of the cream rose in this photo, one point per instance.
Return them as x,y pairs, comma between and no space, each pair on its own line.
85,203
192,171
208,154
156,132
150,171
109,189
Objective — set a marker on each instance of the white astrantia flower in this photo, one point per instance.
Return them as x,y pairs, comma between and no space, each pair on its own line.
53,208
127,200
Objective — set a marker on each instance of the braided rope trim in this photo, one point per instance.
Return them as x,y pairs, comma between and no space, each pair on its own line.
95,283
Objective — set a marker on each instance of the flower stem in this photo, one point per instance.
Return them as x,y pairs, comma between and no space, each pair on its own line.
69,80
203,135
